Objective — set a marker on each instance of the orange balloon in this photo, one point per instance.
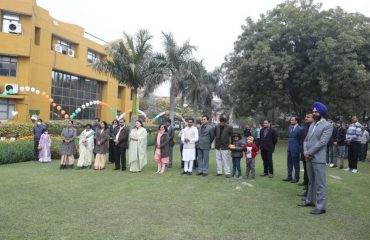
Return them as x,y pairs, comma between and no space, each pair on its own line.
59,108
66,116
43,93
47,96
50,100
63,112
54,104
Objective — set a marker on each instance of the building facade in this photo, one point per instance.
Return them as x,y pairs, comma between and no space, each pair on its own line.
55,58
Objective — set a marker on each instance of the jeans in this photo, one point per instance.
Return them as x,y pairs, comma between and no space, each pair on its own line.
354,149
363,152
236,166
251,163
341,151
330,154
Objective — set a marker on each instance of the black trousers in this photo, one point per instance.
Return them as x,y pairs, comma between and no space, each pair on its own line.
268,167
35,149
354,149
120,157
111,151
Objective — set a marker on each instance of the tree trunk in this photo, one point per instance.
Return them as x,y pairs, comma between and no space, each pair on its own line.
195,109
231,116
134,112
172,104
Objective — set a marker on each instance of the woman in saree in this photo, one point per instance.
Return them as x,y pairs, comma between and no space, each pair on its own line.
137,149
86,147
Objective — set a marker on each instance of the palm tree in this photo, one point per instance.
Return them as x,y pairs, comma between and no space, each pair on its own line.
176,63
131,63
199,88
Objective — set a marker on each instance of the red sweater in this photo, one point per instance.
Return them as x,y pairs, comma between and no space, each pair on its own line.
254,149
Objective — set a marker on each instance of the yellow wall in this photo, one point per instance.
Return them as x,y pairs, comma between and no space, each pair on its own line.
36,62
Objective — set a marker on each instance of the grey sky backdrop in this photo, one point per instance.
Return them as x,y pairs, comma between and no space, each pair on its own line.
211,25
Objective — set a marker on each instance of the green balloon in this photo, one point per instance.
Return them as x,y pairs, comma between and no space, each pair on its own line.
11,91
5,94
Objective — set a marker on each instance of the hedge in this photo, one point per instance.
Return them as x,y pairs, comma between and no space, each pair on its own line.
17,151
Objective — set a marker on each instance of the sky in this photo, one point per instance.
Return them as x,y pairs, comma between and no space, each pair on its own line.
210,25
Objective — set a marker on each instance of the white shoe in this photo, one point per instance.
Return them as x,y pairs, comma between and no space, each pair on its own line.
331,165
355,171
347,169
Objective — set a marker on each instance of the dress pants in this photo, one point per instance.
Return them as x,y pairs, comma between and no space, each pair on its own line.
222,158
354,149
120,157
268,167
317,189
170,157
181,148
188,166
111,151
35,149
293,161
203,160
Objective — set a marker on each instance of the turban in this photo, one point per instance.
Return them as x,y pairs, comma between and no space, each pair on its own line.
320,107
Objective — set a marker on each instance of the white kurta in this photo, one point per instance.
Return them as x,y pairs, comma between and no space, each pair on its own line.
188,152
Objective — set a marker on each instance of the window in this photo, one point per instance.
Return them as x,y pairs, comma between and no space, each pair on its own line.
8,66
92,57
132,94
120,92
37,36
6,108
64,46
71,92
7,18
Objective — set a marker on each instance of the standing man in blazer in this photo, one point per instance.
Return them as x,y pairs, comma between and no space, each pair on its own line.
120,139
294,146
314,147
171,135
223,138
206,136
268,140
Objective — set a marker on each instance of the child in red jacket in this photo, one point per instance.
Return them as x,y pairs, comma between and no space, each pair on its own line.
251,151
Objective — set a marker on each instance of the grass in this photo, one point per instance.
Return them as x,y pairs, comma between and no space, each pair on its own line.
39,201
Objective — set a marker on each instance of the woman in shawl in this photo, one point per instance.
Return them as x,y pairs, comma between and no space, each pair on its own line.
137,149
101,147
86,147
68,147
162,148
44,147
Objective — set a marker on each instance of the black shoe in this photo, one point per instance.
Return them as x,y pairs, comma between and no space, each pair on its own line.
116,169
294,181
303,194
123,169
199,174
205,174
271,175
184,173
264,175
227,175
318,211
287,179
219,174
190,173
306,204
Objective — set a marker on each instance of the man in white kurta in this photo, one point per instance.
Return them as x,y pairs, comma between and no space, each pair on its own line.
189,138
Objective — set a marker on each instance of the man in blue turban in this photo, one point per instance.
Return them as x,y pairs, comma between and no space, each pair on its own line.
314,147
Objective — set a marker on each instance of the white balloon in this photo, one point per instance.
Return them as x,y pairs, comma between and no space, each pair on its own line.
83,106
33,89
21,89
87,104
97,102
52,100
91,103
14,113
27,88
79,109
37,91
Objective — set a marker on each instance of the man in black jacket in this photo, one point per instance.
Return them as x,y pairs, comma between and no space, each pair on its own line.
268,140
340,144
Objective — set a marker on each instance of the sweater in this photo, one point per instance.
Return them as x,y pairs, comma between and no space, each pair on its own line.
250,149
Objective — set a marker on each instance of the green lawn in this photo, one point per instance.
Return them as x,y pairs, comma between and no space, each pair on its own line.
39,201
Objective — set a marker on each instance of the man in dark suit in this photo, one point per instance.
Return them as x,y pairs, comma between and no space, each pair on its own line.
171,135
294,145
120,139
314,147
268,140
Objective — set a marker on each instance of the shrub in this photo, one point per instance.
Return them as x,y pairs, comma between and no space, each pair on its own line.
17,151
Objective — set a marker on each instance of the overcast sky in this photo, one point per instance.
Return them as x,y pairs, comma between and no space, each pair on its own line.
211,25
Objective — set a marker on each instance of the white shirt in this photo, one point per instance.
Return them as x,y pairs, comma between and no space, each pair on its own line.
119,132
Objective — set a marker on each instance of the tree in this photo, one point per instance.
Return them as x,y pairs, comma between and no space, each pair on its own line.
176,64
131,63
297,54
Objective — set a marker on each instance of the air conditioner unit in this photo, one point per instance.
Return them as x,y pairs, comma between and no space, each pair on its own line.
11,86
71,52
14,27
58,48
